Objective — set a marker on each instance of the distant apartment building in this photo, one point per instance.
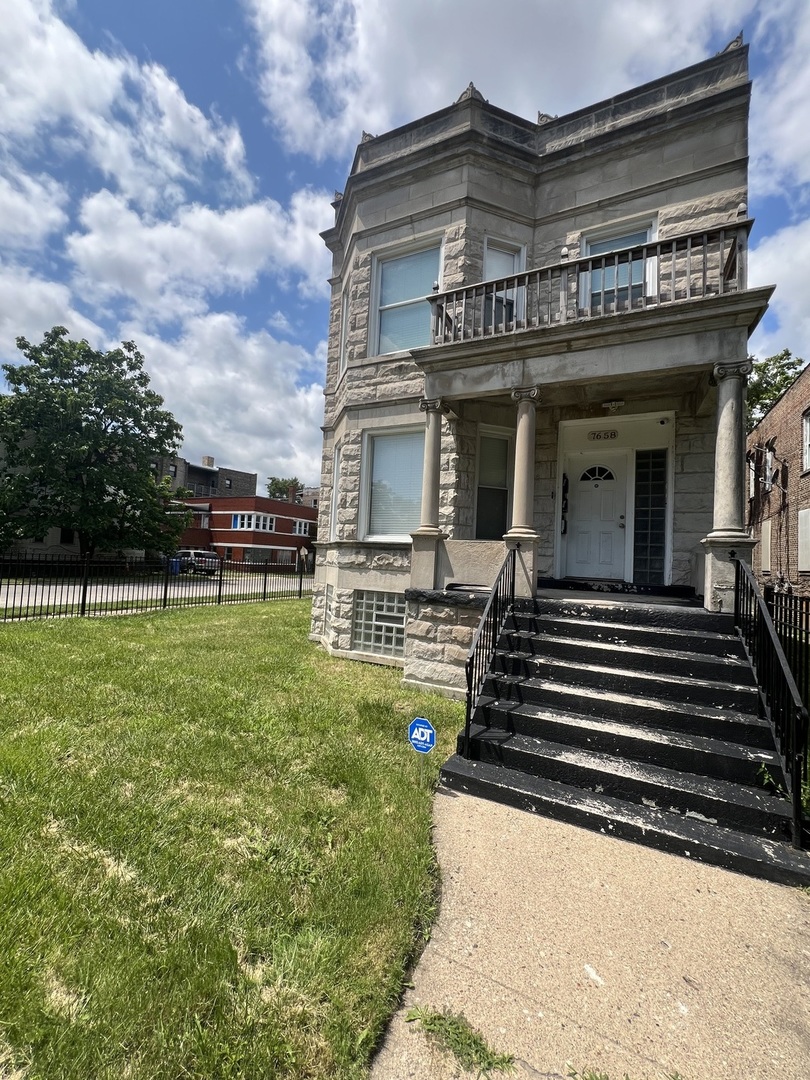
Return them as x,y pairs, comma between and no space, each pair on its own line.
207,478
252,528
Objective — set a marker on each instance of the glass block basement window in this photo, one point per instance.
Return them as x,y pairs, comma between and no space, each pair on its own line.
379,623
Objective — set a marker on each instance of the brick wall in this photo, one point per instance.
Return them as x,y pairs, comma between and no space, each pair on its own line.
781,429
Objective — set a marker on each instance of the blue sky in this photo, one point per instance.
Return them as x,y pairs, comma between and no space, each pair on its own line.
166,168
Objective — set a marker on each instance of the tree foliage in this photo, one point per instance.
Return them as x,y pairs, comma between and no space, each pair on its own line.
278,487
79,433
768,381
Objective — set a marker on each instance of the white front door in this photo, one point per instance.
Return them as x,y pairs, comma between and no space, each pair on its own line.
596,516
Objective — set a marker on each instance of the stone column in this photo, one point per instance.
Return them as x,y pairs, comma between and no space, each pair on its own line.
429,518
728,538
522,533
426,539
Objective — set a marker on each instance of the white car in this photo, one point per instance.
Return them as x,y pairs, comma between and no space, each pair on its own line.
194,561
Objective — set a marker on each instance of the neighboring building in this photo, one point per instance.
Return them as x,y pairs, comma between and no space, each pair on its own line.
538,337
205,479
255,529
779,490
310,496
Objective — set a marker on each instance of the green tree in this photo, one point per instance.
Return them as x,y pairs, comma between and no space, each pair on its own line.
80,430
278,487
768,381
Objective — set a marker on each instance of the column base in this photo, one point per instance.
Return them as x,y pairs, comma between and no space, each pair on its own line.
526,561
720,548
424,556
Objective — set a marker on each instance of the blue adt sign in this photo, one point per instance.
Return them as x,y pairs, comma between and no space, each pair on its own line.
422,735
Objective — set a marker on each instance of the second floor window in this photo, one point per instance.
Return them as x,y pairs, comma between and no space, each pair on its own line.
403,311
301,528
259,522
616,281
806,442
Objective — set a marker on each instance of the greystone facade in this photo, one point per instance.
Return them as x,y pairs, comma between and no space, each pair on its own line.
659,369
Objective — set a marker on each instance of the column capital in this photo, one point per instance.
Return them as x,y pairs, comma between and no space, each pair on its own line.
739,369
526,393
429,405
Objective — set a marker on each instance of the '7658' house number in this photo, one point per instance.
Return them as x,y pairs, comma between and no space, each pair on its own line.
602,436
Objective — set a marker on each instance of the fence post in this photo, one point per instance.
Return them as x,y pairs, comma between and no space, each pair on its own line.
167,565
85,575
300,577
264,581
221,575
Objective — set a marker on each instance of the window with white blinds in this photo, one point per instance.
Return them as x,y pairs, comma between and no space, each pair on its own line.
395,483
404,313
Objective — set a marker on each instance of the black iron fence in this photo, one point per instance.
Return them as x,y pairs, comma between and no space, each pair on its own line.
47,586
500,603
776,637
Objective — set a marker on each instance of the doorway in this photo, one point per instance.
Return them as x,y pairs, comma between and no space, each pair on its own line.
596,516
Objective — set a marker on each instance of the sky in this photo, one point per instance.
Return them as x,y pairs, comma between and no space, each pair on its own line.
166,168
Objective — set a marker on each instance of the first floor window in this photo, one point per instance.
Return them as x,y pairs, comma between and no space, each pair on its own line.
404,312
765,546
804,540
395,483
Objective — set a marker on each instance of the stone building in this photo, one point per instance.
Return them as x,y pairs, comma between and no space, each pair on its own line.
538,339
205,478
778,461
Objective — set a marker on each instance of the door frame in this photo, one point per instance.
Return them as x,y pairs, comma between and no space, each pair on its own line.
644,431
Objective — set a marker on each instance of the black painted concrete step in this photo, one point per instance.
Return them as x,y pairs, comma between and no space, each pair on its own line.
596,611
619,678
708,643
641,704
734,761
653,658
757,856
735,806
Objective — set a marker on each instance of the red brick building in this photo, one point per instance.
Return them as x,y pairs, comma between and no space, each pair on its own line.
251,528
779,490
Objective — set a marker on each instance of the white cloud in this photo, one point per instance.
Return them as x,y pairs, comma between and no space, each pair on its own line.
238,397
168,269
328,70
780,133
783,259
31,208
30,306
131,121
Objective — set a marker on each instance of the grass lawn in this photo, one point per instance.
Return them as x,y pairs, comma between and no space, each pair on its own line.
215,853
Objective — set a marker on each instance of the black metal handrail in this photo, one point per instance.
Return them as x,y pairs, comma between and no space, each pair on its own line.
500,603
779,694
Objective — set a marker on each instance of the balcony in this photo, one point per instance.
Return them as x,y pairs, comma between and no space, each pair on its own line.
656,275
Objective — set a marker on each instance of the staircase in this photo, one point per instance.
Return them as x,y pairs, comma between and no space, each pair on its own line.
636,717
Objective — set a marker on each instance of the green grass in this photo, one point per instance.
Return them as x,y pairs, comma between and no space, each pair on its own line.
454,1033
215,855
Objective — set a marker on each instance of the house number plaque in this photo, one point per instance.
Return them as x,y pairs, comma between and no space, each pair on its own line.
602,436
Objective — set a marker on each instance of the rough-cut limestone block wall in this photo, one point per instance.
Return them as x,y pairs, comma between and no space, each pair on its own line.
457,482
439,632
693,496
371,567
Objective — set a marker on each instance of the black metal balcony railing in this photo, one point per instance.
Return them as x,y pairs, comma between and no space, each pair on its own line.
687,267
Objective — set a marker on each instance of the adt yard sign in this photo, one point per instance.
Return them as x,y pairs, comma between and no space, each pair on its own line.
422,735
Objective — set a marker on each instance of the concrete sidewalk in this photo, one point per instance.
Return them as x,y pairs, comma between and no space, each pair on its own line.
566,946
